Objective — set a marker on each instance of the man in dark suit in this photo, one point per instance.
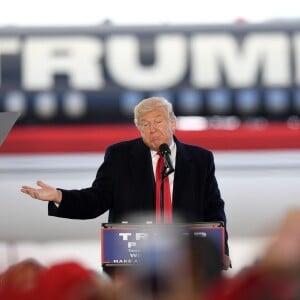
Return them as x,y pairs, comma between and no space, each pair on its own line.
125,182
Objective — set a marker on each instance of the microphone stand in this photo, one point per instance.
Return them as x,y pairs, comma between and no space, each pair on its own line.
164,173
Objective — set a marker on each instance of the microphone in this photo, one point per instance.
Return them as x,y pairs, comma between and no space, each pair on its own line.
166,152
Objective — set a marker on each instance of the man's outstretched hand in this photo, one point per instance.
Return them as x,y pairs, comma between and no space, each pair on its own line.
44,193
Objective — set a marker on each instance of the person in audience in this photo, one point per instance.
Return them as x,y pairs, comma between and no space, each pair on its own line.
69,280
276,275
20,279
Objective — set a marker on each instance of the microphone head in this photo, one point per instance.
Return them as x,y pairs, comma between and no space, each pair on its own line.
164,149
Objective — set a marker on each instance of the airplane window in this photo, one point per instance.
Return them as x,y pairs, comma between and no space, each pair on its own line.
166,94
45,105
128,100
276,101
190,101
15,101
247,101
219,101
74,104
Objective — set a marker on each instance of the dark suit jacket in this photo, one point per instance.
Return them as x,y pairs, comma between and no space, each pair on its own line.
125,184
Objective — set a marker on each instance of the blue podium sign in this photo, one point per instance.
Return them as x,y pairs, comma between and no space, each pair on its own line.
126,244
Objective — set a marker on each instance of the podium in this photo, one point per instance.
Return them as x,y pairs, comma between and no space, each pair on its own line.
128,245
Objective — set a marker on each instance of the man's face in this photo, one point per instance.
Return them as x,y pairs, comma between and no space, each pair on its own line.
156,128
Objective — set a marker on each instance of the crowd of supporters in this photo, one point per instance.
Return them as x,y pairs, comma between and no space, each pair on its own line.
191,273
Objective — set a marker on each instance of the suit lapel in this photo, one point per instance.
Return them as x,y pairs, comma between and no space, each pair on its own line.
183,180
142,170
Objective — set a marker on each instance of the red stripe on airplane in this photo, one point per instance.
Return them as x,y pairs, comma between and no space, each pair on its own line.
95,138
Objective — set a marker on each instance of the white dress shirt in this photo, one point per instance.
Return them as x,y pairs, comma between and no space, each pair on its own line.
155,158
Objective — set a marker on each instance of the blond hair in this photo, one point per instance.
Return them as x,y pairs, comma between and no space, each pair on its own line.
150,104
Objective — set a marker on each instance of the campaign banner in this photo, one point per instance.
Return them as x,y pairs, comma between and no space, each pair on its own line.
128,245
96,75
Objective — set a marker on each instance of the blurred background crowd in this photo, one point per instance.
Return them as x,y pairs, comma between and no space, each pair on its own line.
188,269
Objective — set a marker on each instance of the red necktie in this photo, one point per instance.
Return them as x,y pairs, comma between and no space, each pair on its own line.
167,194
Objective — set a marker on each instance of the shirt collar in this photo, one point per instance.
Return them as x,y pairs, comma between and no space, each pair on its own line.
172,148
